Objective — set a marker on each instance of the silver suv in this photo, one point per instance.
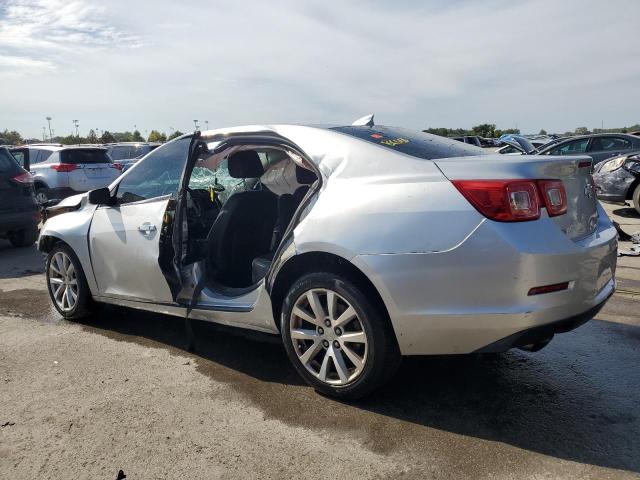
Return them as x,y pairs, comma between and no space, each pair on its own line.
60,171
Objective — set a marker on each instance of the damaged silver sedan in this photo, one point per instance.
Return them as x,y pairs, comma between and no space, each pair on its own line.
618,180
355,244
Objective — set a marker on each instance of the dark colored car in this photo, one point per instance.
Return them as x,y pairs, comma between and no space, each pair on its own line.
618,179
128,153
19,211
599,147
470,139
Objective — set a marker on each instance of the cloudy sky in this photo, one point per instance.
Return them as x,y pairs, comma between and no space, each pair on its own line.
161,63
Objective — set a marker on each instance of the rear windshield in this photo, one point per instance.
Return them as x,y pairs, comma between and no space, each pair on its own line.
79,156
7,162
416,144
128,152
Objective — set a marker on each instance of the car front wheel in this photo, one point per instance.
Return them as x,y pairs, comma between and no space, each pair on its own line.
67,284
336,338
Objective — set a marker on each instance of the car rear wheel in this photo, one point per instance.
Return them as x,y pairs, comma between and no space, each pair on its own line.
42,195
336,338
67,284
636,198
24,238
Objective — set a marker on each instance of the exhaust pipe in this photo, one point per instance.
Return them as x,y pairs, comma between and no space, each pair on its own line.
537,346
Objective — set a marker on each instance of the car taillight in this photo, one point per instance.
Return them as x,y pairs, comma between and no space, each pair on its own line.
514,200
24,178
502,200
117,166
554,195
64,167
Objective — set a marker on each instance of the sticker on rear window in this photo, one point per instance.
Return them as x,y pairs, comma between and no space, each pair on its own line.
394,142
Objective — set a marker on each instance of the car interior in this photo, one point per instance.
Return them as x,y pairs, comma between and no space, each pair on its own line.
239,205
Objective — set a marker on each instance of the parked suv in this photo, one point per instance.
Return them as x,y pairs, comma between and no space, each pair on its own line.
19,212
128,153
61,171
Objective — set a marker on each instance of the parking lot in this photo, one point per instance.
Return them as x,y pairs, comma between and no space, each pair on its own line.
119,392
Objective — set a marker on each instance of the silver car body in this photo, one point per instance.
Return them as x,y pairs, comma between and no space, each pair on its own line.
452,281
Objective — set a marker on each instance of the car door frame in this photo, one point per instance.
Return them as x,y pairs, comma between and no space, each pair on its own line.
607,154
167,229
250,307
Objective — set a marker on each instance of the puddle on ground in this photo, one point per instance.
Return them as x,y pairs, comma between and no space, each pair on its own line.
30,303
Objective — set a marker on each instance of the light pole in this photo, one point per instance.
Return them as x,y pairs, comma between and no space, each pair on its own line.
44,139
50,134
206,124
75,124
195,124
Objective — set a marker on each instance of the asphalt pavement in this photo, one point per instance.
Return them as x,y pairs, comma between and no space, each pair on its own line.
119,392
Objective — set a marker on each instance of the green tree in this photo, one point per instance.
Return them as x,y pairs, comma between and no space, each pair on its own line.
107,137
542,131
92,137
175,134
581,131
156,136
122,136
485,130
10,138
136,137
511,131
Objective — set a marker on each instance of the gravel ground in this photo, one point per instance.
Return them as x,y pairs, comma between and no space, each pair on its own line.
118,392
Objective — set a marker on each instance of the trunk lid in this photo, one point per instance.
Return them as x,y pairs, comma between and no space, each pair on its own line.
581,217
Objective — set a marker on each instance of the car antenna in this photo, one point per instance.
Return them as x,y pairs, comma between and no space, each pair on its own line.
366,121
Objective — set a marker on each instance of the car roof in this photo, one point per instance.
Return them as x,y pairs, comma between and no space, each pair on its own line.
53,148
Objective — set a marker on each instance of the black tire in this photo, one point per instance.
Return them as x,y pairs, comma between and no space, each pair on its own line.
383,355
636,198
84,304
26,237
42,195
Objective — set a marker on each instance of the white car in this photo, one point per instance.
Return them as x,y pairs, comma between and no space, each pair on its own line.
60,171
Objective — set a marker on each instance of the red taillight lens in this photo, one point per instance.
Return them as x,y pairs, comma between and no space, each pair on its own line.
556,287
502,200
64,167
554,196
23,179
117,166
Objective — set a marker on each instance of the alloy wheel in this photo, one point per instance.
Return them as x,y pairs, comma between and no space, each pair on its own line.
63,281
328,336
41,197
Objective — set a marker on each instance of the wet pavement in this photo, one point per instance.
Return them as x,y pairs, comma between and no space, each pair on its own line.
571,410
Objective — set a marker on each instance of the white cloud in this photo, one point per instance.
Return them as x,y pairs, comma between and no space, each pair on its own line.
541,64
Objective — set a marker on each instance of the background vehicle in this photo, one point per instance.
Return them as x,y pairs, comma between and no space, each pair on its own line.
128,153
470,139
60,171
356,244
618,179
19,212
599,147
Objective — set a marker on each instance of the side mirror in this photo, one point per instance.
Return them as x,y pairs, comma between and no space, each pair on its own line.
100,196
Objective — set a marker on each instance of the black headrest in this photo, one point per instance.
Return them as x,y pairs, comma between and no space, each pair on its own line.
245,164
304,176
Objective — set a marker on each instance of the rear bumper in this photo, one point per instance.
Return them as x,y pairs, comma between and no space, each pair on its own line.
544,333
470,297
